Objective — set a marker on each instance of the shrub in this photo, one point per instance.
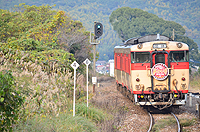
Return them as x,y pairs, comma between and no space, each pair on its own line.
10,101
92,113
65,122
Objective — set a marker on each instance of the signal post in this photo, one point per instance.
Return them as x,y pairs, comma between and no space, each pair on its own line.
98,31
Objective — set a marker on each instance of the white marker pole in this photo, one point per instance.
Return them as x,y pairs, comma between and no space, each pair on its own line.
74,92
74,65
87,82
87,62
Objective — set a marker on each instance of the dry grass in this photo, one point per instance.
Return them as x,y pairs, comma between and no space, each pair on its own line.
47,92
195,82
112,106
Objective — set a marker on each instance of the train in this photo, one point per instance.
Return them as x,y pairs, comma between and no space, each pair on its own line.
153,70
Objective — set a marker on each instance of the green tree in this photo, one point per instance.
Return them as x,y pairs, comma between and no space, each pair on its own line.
132,22
42,32
129,22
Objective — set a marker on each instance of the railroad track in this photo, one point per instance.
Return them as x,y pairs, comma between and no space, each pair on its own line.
152,121
177,121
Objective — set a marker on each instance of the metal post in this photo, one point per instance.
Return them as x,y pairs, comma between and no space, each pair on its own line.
190,99
87,83
95,42
87,62
74,65
197,105
94,66
74,92
199,108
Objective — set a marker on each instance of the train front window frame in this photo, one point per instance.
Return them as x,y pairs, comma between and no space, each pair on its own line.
160,58
179,56
140,57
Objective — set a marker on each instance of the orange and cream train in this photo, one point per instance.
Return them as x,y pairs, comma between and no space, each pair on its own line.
153,70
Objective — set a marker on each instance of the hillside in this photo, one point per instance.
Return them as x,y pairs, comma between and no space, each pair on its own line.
184,12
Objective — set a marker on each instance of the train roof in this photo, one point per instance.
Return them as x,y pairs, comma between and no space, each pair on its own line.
146,44
147,38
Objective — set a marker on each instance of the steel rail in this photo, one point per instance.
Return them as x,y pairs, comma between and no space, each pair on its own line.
151,122
179,126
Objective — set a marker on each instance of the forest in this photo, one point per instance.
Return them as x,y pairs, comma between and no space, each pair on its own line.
184,12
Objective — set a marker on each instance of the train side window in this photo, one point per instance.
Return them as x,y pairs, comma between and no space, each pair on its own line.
186,55
132,57
141,57
179,56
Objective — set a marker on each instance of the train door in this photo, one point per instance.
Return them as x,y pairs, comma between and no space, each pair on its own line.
160,79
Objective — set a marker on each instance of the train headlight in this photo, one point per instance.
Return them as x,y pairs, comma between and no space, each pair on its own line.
139,46
142,86
137,87
183,86
179,45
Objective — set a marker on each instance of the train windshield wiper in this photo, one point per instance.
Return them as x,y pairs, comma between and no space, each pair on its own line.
175,60
145,62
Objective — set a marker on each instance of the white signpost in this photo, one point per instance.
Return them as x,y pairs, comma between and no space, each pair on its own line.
74,65
87,62
94,80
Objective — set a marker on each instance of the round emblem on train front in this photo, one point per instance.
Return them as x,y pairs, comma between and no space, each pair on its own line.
160,71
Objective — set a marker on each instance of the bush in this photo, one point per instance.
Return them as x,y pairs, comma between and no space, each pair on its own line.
92,113
10,101
64,122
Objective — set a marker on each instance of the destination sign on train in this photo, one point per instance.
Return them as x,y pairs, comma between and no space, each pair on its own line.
159,46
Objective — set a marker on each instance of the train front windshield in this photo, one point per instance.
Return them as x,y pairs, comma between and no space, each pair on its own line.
140,57
179,56
144,57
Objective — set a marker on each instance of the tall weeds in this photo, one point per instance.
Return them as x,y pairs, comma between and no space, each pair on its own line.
195,81
47,88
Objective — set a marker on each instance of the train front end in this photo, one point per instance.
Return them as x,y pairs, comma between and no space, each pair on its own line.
160,73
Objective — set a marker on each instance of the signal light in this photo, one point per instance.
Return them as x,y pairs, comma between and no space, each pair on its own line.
98,30
183,78
137,79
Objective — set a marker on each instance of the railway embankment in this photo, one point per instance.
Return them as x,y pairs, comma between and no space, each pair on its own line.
129,117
